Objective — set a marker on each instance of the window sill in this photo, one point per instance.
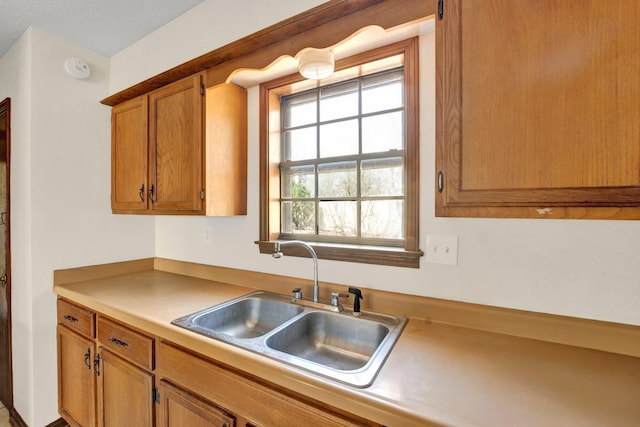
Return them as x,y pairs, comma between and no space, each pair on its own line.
395,257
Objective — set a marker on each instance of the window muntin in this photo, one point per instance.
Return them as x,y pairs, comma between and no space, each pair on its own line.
342,174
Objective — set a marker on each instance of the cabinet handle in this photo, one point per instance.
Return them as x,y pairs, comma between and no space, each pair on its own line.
96,365
141,194
151,192
117,342
87,356
70,318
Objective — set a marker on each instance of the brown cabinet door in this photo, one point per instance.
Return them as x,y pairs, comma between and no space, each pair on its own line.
538,109
179,408
76,379
176,146
125,393
129,156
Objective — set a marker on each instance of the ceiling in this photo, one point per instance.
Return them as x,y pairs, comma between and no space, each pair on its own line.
103,26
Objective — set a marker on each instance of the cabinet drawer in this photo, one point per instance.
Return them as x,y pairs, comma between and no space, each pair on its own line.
77,318
126,343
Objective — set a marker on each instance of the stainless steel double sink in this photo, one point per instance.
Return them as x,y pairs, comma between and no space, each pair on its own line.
338,346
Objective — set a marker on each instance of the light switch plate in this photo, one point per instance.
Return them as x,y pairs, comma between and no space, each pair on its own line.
442,249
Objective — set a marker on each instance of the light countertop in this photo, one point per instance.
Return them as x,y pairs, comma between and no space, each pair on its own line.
437,374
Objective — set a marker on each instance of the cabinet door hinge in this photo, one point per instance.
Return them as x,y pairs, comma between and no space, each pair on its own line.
202,194
201,88
440,9
155,395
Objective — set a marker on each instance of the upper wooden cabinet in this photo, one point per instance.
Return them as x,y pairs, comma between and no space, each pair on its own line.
538,108
129,156
174,154
175,149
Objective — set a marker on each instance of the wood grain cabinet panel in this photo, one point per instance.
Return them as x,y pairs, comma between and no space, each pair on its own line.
76,379
172,154
180,408
129,155
176,149
537,109
226,150
125,393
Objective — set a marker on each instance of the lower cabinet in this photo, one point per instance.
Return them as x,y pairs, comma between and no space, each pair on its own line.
105,371
205,390
125,393
76,379
107,377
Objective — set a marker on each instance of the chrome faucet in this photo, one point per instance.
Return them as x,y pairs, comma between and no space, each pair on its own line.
314,256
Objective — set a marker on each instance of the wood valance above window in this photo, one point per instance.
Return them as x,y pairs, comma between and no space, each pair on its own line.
322,26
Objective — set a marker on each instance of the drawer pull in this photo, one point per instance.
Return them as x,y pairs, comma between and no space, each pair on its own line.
70,318
117,342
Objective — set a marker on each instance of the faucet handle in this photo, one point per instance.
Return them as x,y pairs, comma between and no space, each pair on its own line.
297,293
335,296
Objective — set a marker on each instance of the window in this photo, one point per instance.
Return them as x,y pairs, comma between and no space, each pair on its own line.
339,159
342,161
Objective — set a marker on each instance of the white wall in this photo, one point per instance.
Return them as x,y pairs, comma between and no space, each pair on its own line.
579,268
209,25
60,189
15,69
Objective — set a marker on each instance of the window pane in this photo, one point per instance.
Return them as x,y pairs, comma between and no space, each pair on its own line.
298,217
383,219
337,218
382,177
298,181
337,180
382,132
339,139
339,101
300,144
383,92
300,110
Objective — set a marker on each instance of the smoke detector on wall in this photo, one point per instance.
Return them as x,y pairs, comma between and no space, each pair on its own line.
77,68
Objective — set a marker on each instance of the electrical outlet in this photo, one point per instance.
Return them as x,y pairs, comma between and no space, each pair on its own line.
442,249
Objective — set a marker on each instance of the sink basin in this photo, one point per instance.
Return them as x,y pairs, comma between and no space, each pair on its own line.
338,346
248,317
331,340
